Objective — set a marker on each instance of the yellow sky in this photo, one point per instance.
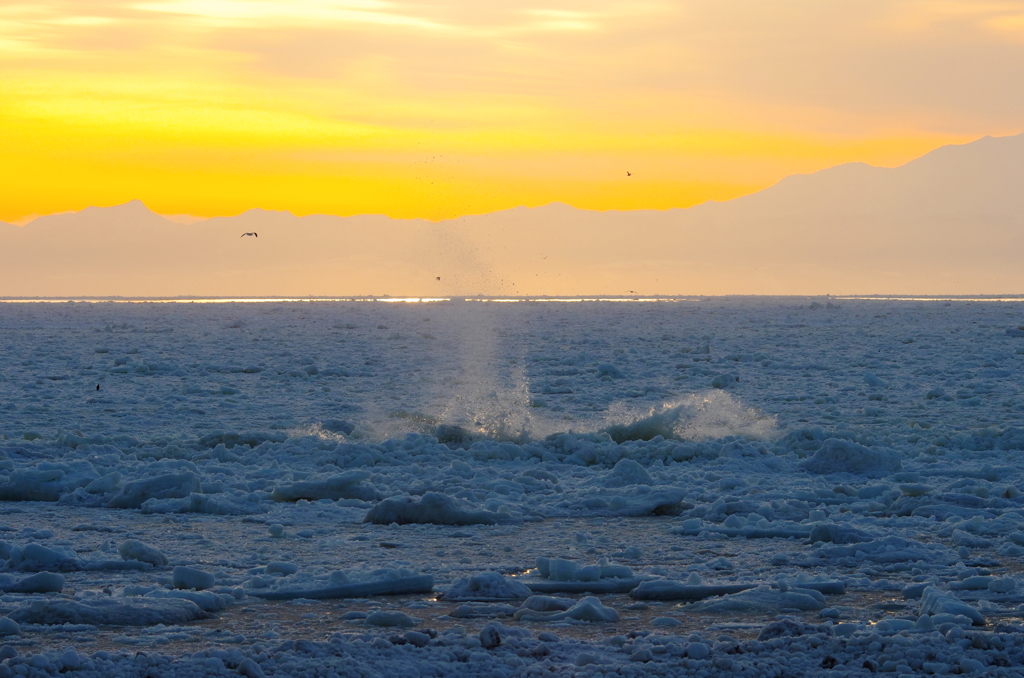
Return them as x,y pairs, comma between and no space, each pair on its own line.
437,109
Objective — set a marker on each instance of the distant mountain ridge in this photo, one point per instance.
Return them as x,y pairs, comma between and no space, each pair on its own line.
950,222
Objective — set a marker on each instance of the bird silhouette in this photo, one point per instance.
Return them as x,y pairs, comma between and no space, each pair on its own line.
97,387
255,235
438,277
628,173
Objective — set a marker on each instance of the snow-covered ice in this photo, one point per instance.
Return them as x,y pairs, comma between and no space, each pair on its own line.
759,486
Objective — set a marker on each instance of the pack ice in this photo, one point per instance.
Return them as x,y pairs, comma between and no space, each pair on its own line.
712,487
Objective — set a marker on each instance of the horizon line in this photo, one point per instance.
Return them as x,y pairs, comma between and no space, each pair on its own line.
669,298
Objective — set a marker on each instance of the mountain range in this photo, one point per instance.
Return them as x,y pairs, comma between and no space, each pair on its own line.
950,222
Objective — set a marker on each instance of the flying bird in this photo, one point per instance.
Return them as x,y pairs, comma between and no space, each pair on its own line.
438,277
628,173
255,235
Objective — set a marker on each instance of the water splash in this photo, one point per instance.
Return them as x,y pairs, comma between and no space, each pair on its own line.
490,394
701,416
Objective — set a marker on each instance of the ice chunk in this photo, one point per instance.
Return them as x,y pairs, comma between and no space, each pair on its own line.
667,622
106,611
661,502
390,619
433,507
963,538
560,569
47,481
280,567
1002,584
191,578
844,456
725,380
601,587
210,504
208,601
761,600
934,602
9,627
417,639
71,660
610,571
914,590
471,610
344,486
884,550
43,582
175,485
628,472
663,589
250,669
777,530
486,586
36,557
838,534
588,609
975,583
105,484
490,636
788,628
423,583
915,490
133,549
873,381
547,604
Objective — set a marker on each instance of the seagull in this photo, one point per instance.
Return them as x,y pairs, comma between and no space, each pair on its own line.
255,235
628,173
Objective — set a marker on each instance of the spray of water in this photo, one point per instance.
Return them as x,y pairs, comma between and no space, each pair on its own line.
489,396
701,416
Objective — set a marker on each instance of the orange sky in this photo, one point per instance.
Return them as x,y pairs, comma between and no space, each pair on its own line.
437,109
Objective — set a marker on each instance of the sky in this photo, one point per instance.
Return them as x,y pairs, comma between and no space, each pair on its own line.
438,109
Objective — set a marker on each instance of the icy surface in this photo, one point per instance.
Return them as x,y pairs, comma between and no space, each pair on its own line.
715,487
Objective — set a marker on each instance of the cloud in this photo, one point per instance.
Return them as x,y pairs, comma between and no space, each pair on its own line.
278,13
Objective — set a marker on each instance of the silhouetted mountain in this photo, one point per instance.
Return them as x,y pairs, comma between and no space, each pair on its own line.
950,222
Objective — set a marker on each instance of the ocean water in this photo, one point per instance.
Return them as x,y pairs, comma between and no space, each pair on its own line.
781,443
